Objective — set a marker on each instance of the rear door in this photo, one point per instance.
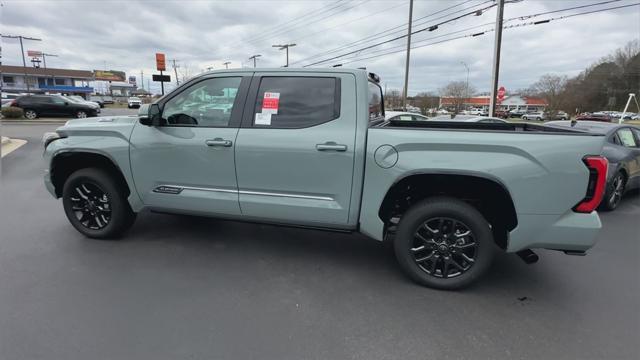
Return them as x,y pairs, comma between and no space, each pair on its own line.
295,149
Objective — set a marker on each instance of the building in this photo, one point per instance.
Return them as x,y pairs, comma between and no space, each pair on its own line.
512,102
49,80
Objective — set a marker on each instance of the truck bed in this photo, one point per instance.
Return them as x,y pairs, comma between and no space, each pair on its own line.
462,125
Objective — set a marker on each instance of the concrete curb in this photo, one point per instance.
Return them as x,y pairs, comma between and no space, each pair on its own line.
34,122
5,140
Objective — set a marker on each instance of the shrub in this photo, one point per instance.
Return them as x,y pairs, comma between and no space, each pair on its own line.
11,112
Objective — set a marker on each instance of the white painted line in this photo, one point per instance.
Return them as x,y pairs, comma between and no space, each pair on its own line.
8,147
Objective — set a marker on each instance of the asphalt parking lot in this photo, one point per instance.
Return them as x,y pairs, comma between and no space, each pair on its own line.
178,287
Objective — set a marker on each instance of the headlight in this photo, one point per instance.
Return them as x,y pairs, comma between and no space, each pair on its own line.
49,137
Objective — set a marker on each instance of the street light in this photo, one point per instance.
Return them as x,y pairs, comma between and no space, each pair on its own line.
226,64
254,57
466,91
286,47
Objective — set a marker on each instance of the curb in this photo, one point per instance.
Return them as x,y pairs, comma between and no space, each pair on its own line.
34,122
5,140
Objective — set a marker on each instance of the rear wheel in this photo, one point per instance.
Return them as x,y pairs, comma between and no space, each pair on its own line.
444,243
524,118
81,114
30,114
615,190
96,205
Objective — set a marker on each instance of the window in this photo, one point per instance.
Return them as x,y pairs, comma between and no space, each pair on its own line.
637,132
60,82
297,102
8,79
614,139
207,104
376,110
58,100
626,137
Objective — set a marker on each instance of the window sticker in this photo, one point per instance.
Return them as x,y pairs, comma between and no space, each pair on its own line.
270,103
263,118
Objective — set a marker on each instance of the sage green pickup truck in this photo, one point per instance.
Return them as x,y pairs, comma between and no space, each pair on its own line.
311,148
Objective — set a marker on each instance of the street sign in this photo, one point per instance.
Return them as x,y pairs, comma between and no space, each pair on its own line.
34,53
161,78
160,62
501,92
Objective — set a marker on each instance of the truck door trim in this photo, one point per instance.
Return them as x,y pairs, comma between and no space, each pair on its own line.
179,188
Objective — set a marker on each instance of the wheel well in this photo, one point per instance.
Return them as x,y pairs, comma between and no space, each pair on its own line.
488,196
65,164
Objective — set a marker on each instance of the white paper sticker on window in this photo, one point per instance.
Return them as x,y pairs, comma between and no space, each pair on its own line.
263,118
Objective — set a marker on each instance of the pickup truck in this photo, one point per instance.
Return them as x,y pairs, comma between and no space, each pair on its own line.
311,148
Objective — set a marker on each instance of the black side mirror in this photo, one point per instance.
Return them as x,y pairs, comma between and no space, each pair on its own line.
149,114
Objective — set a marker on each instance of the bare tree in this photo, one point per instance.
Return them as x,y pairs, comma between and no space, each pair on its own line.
426,101
551,88
457,92
186,72
393,99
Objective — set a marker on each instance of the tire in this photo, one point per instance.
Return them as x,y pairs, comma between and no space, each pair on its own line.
81,114
30,114
539,119
422,265
525,118
614,193
91,214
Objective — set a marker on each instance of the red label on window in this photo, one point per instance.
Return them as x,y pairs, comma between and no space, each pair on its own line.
271,101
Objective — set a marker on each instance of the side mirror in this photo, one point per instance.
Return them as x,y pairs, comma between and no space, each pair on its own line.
149,114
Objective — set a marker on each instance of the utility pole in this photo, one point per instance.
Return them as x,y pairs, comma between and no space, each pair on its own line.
496,57
286,47
406,67
226,64
466,90
142,79
44,61
175,70
254,57
24,62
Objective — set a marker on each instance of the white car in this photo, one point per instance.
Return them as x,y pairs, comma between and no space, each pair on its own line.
402,115
134,102
541,116
81,100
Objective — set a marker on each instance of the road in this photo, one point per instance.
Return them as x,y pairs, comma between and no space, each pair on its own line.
192,288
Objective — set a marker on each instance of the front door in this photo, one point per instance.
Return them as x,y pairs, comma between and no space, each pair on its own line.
295,150
187,162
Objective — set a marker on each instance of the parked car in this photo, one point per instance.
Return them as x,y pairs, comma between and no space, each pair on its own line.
52,105
517,113
401,115
80,100
622,149
594,117
538,116
101,99
6,102
134,102
294,147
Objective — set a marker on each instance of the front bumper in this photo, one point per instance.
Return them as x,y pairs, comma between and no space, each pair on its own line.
568,232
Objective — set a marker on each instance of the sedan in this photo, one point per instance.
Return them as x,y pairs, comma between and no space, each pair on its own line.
622,149
402,115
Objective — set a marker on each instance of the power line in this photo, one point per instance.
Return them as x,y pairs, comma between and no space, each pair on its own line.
490,30
397,29
430,28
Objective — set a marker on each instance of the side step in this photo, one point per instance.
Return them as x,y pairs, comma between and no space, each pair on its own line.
528,256
575,252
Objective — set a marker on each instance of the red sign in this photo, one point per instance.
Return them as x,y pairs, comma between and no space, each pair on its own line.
501,92
34,53
270,102
160,62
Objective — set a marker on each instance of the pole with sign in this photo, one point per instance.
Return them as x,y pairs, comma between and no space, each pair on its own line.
161,65
501,92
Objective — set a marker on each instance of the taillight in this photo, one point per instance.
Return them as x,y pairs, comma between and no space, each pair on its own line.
13,103
598,167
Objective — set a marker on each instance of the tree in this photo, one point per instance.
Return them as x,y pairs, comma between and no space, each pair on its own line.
426,101
551,88
393,99
458,92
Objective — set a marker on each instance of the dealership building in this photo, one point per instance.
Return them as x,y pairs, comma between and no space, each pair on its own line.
49,80
512,102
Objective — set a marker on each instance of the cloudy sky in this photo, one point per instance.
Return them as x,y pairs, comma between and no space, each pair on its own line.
124,35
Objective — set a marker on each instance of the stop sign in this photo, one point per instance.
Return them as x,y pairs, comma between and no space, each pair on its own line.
501,92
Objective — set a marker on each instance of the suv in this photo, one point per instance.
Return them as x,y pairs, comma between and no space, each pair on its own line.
53,105
134,102
311,148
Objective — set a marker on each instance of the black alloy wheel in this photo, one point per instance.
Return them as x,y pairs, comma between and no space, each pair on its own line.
444,247
91,206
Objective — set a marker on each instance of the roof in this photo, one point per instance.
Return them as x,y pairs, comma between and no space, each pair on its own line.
19,70
338,70
597,127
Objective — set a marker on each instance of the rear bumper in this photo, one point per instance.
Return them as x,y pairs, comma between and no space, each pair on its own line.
569,232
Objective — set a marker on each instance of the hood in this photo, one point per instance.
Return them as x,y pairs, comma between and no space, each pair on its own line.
103,125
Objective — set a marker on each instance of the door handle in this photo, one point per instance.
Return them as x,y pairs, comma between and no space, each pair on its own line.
218,142
331,146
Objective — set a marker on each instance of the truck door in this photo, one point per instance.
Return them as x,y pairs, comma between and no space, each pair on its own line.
187,163
295,149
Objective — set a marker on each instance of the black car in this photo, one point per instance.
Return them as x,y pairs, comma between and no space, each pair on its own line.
622,149
52,105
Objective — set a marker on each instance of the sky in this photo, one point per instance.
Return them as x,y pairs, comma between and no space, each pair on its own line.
125,35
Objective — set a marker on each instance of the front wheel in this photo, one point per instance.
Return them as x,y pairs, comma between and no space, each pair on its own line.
525,118
444,243
96,205
30,114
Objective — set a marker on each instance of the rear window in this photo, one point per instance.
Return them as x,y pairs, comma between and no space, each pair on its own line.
376,108
296,102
